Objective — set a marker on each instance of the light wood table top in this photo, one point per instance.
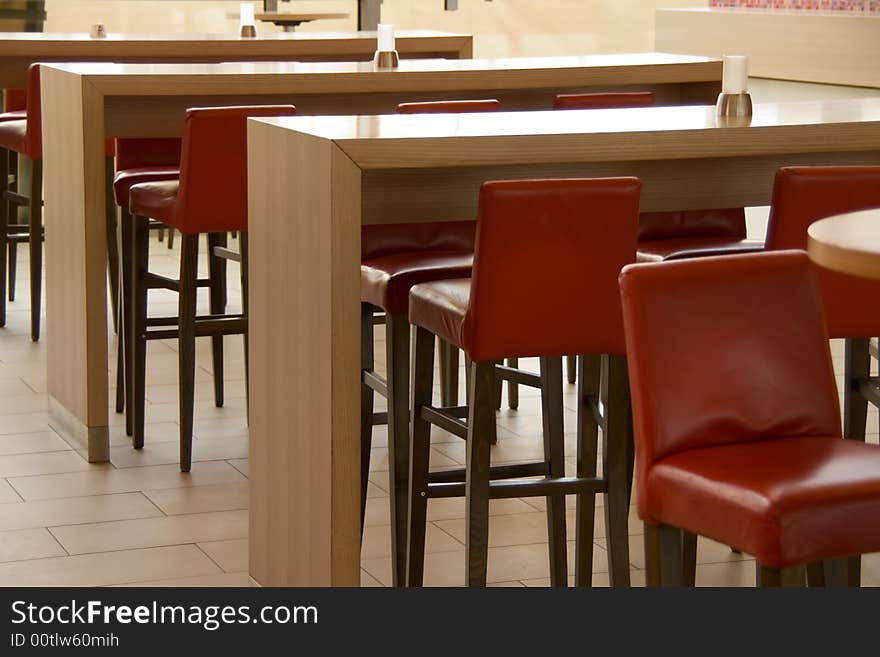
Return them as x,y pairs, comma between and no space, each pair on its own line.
848,243
20,49
315,181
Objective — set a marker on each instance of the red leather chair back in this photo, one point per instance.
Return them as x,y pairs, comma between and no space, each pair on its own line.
802,195
34,141
385,239
546,263
138,153
14,100
724,350
449,107
603,100
213,167
726,222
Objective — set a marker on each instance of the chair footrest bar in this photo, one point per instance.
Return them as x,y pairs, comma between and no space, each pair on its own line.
518,376
596,411
226,254
515,471
375,383
870,389
445,421
531,488
380,418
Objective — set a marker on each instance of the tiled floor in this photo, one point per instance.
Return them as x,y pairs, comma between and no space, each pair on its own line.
138,520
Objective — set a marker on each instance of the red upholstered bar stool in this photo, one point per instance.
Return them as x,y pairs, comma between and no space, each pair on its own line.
576,235
14,109
23,138
137,161
210,197
674,234
802,195
394,257
757,462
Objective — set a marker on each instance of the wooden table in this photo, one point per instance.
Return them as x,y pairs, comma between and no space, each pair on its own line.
84,102
848,243
331,175
20,49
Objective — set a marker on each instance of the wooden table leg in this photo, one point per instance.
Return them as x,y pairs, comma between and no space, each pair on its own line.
76,256
304,467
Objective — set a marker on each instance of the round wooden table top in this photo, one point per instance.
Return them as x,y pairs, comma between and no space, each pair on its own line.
848,243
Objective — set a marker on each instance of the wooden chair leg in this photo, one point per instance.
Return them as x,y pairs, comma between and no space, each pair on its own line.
126,249
571,367
512,388
841,572
160,234
112,251
587,461
140,253
189,254
397,381
481,418
5,245
856,368
448,374
13,267
170,238
617,445
367,395
217,305
554,455
245,306
688,558
422,377
766,576
35,242
664,555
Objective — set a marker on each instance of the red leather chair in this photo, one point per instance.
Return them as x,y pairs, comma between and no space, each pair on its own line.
802,195
737,422
210,197
576,235
14,105
23,137
394,258
676,234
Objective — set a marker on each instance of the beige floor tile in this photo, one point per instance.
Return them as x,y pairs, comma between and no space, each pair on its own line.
110,568
7,493
239,464
158,432
29,403
871,569
124,480
152,532
238,580
736,573
12,386
636,578
24,443
20,465
24,423
201,499
226,427
73,510
368,580
169,452
376,542
231,555
28,544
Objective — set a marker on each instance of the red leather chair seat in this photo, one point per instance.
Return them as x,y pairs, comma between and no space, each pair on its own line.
156,200
440,307
13,135
386,280
124,180
785,501
689,247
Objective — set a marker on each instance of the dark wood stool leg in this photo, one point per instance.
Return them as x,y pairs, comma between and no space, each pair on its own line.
653,576
448,374
5,245
834,572
587,461
856,368
766,576
13,266
420,444
217,301
664,555
189,254
571,368
126,249
617,445
245,306
366,404
512,388
170,238
554,455
397,380
112,251
12,217
120,370
498,386
140,254
35,242
481,417
688,558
